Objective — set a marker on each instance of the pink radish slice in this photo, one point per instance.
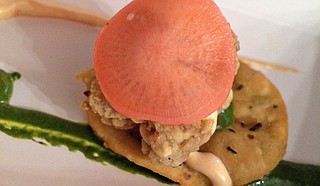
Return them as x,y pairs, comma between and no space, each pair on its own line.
171,62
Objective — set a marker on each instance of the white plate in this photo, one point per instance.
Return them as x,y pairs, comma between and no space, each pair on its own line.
50,52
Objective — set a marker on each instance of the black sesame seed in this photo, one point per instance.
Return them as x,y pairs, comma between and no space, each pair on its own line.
232,130
231,150
256,127
275,106
87,93
250,107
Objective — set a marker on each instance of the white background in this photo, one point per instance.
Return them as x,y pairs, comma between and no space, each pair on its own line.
50,52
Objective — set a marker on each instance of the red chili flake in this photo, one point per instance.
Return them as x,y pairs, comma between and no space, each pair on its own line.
239,87
250,136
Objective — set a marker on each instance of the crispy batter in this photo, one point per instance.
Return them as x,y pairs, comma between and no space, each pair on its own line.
97,102
253,147
170,145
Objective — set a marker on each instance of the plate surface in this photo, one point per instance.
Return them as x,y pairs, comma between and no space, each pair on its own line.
48,53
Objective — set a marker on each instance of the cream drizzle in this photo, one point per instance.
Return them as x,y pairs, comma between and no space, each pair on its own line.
38,8
211,166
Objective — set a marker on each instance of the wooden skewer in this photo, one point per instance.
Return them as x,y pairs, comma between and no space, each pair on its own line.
37,8
266,65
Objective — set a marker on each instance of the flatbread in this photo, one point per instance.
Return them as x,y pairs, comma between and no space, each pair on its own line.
250,149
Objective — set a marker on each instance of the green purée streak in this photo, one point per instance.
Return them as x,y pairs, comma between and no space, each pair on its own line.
291,174
6,85
47,129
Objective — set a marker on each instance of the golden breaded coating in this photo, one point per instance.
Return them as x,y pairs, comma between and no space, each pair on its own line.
99,104
171,145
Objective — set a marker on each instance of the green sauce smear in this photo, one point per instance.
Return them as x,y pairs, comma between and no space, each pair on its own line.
291,174
47,129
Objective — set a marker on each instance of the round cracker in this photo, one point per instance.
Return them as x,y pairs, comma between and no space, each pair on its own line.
257,140
250,149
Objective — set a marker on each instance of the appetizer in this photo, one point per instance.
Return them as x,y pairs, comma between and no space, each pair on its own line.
163,72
